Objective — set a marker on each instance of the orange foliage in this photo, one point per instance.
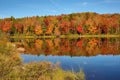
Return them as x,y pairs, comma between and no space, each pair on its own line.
65,46
49,29
64,27
38,44
82,47
49,46
92,47
38,30
6,26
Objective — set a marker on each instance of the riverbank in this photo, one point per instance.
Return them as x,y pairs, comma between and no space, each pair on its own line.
67,36
12,68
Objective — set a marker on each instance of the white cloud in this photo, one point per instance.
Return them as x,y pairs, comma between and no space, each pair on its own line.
110,1
54,11
54,3
84,3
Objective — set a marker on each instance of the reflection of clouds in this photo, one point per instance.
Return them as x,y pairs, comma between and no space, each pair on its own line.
85,62
93,75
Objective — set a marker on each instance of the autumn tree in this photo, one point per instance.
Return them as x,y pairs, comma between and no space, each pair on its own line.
75,23
6,25
80,29
73,27
65,27
38,30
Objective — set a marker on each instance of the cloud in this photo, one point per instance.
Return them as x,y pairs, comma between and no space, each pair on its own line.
84,3
53,11
111,1
54,3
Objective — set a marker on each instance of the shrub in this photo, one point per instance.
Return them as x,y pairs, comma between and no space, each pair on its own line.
11,67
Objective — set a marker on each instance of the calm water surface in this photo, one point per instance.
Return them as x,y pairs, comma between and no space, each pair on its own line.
99,58
95,68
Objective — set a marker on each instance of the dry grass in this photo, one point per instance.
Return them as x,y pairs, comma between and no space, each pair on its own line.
11,67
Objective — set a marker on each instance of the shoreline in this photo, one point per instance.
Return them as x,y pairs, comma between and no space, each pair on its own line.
68,36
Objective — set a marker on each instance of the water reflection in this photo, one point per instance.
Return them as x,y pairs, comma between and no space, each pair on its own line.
72,55
71,47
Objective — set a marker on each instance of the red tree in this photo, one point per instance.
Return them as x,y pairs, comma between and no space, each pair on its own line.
6,26
80,29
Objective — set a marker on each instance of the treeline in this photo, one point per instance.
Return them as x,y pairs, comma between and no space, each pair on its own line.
75,23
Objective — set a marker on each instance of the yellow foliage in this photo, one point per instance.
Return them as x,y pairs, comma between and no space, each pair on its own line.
38,30
38,44
92,29
49,29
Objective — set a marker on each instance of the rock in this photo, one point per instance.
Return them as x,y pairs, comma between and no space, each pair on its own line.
20,49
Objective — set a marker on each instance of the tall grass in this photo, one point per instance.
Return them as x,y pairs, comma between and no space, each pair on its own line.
8,59
11,67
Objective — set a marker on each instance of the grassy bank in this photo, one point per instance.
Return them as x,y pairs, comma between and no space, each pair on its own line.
12,68
66,36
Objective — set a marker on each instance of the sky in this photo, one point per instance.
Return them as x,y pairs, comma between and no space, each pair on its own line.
24,8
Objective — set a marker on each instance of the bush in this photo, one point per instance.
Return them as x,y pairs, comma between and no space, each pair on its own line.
8,59
11,67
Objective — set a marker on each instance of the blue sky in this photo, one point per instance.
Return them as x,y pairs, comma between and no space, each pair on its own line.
23,8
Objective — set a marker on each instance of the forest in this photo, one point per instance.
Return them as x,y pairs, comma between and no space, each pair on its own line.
87,23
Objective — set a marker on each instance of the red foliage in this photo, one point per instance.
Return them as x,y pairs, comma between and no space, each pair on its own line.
46,21
59,18
6,26
64,26
80,29
80,43
116,26
18,27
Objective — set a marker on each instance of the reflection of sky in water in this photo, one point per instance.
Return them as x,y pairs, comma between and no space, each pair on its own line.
96,67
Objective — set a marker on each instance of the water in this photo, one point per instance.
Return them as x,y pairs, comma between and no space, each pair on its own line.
99,58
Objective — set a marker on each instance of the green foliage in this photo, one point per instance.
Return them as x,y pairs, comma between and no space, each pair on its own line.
1,33
13,31
12,18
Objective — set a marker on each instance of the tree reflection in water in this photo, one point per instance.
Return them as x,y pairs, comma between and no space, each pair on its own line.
71,47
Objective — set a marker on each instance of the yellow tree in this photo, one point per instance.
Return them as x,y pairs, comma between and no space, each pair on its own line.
49,29
92,28
38,30
97,19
